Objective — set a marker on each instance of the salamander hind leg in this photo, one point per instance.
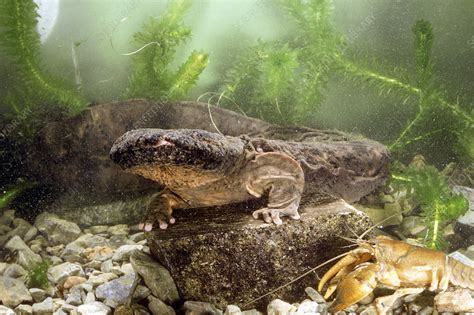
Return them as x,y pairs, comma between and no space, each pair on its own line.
160,209
282,178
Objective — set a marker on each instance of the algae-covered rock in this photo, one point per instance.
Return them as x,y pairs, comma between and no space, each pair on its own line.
224,256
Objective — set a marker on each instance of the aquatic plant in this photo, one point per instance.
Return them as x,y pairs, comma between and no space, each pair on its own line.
439,204
156,46
13,191
20,40
282,82
37,275
437,123
317,53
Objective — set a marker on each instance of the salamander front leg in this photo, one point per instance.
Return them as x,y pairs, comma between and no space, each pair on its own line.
160,208
282,178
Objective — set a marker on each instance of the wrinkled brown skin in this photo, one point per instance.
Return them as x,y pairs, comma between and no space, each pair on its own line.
202,169
407,268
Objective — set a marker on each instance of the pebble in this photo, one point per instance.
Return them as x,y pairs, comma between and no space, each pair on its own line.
157,307
90,297
277,307
194,307
101,278
138,237
55,250
38,295
72,281
99,253
3,267
44,308
14,271
74,297
68,307
232,310
118,290
58,274
6,311
308,307
106,266
95,308
7,217
120,229
13,292
30,234
458,301
314,295
94,264
23,309
141,293
26,257
97,229
124,251
126,268
427,310
57,230
21,228
370,310
55,260
72,252
413,226
4,229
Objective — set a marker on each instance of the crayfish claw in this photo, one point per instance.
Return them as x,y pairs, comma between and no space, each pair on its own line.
343,267
355,286
330,290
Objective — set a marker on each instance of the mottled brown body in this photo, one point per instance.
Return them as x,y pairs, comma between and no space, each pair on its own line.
395,264
202,169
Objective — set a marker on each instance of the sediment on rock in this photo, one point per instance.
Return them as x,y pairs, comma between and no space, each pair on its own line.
224,256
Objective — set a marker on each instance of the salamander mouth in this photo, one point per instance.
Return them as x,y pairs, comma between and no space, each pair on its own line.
180,147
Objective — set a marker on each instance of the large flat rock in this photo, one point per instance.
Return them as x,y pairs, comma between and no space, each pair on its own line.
224,256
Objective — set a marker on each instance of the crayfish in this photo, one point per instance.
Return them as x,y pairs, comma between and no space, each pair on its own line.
406,268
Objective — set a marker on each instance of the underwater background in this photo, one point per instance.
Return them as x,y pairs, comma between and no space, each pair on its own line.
395,71
377,35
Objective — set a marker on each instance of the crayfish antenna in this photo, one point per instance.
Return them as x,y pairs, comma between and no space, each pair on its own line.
361,237
350,240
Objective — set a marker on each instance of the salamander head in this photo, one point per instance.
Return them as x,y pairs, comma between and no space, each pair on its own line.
153,149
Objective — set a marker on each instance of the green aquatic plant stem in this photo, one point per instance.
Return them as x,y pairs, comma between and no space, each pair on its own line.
12,192
434,239
188,74
156,45
356,70
20,40
359,71
8,196
397,143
